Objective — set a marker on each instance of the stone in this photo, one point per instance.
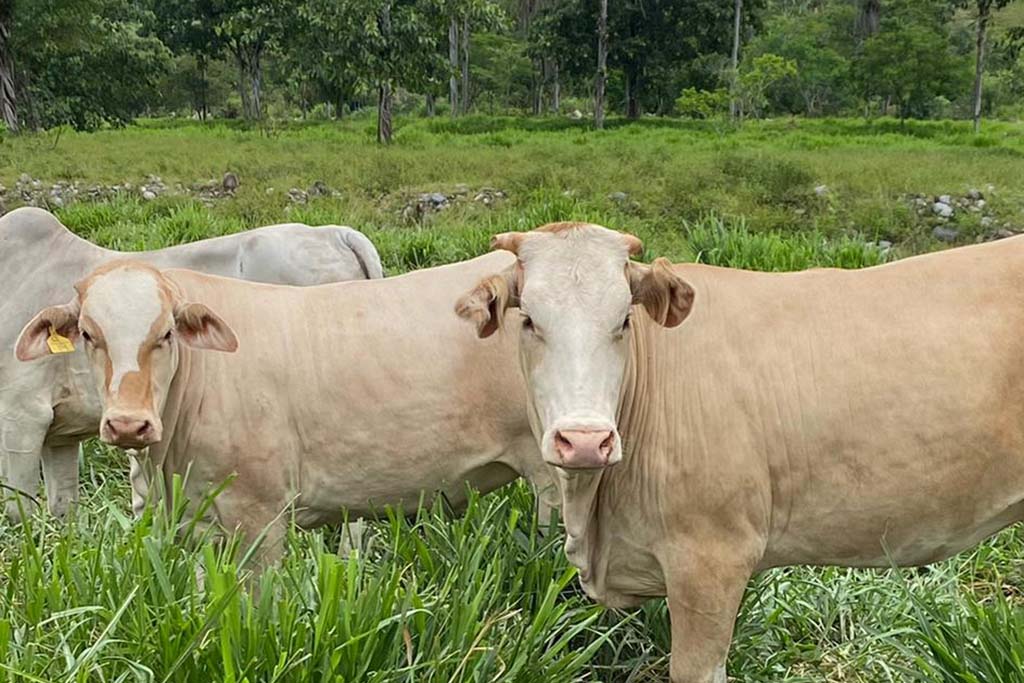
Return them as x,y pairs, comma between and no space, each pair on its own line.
974,194
1004,233
461,189
942,209
437,199
987,221
319,189
25,179
884,245
618,196
981,204
945,234
945,199
575,115
230,182
148,195
821,190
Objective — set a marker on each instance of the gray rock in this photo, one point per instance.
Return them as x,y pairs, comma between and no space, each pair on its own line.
945,234
1004,233
942,209
437,199
884,245
974,195
618,196
981,204
461,189
230,182
148,195
821,190
945,199
987,221
25,179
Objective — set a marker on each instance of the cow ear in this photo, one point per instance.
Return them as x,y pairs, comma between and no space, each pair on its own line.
485,304
508,241
62,320
666,296
201,328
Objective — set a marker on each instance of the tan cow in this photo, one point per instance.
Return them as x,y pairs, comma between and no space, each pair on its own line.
336,397
827,417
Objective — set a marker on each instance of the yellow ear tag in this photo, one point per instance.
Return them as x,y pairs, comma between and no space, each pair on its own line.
58,343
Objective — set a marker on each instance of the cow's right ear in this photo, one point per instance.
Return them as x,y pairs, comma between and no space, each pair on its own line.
485,304
63,320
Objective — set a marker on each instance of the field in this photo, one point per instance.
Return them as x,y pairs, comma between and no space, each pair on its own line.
483,595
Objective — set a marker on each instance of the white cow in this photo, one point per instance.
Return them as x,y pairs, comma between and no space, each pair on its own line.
734,421
47,408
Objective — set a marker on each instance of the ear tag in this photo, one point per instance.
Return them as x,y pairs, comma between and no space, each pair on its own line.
58,343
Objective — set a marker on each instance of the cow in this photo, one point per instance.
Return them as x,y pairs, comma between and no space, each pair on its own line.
707,423
329,401
47,408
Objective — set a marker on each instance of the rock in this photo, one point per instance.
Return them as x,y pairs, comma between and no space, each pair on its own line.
319,189
461,190
230,182
297,196
269,190
884,245
575,115
25,179
148,195
942,209
437,199
987,222
974,195
618,197
944,199
981,204
57,201
1004,233
821,190
990,188
945,234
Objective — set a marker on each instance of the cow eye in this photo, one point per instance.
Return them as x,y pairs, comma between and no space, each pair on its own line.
626,322
87,337
527,323
167,337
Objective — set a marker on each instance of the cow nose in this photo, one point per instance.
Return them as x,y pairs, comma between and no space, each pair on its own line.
129,431
580,449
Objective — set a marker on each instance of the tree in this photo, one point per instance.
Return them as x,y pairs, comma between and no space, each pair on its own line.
984,14
247,28
735,63
602,65
911,60
8,97
189,27
83,62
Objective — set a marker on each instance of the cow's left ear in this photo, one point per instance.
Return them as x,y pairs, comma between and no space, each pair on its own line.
201,328
666,296
485,304
63,320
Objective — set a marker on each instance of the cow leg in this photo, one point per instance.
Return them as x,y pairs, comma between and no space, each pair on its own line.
705,586
21,446
60,475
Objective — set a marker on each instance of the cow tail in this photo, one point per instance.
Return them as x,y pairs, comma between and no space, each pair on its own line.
365,252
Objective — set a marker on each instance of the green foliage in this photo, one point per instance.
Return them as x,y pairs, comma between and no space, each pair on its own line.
702,104
84,63
757,78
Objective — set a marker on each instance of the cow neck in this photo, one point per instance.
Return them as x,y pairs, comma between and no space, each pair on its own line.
170,455
586,496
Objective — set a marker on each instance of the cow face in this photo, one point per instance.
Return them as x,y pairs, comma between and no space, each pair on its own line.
132,321
574,287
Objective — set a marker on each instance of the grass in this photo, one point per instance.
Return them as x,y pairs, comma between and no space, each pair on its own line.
482,596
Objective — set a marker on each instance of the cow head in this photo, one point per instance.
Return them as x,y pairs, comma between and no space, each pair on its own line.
132,320
575,286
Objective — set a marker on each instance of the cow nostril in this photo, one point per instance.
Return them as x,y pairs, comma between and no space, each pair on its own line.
144,428
608,443
563,444
110,427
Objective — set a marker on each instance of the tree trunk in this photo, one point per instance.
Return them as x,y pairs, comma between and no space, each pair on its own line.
735,63
8,97
243,86
465,65
633,92
869,21
984,7
602,65
453,65
384,113
256,79
537,93
431,107
204,87
556,94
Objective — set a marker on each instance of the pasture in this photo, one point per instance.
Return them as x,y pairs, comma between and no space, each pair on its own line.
481,595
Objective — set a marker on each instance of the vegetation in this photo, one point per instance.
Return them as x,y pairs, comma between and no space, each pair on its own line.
483,596
92,63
